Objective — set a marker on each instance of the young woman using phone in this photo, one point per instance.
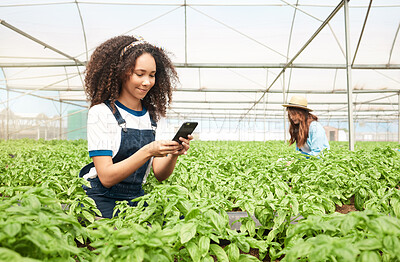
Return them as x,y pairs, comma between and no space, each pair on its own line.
128,84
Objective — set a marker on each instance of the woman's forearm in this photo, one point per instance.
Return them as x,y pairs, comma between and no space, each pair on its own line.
164,166
111,173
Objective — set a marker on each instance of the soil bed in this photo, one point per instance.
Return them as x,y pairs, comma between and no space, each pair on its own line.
344,209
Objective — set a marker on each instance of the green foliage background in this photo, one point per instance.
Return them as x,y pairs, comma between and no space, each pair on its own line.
46,216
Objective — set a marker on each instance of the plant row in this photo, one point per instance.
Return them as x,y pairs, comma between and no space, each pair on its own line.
46,216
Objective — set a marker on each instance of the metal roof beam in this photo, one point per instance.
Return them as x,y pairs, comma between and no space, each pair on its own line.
44,97
276,102
278,116
362,32
221,65
207,90
4,23
394,41
277,110
216,90
331,15
336,91
284,65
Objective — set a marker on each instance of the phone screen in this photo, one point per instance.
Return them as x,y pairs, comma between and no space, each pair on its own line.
186,129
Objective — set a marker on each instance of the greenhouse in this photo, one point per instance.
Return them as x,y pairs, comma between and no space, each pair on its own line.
241,191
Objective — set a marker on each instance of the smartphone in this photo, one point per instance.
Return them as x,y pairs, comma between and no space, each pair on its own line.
186,129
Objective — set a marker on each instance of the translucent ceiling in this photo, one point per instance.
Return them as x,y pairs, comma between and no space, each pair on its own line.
230,54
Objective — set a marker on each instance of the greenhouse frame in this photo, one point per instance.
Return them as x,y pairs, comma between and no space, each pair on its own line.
295,155
237,62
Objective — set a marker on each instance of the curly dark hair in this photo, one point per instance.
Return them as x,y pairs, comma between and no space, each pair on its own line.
107,69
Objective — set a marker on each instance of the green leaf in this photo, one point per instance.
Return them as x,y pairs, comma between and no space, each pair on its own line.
88,216
138,254
247,258
348,224
12,229
251,227
194,251
184,206
80,239
204,245
147,213
395,203
101,258
219,252
391,243
154,242
193,213
169,206
358,202
216,220
243,244
280,218
33,202
214,238
71,189
369,256
71,208
369,244
11,255
187,232
159,258
107,250
295,206
123,234
347,254
233,252
207,259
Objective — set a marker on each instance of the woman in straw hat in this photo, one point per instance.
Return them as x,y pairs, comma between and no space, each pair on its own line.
305,129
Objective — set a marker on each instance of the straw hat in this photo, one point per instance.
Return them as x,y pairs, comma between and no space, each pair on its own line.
298,102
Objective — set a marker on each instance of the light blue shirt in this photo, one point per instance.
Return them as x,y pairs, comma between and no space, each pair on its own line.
316,141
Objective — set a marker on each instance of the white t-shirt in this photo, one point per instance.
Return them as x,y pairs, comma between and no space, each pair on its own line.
104,133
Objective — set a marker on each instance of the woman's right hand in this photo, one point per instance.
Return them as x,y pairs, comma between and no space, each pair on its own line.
162,148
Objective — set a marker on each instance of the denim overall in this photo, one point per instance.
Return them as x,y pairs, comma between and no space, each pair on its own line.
131,187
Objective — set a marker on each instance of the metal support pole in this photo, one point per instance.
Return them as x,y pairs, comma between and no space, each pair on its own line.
348,74
7,130
264,118
284,109
8,116
398,125
186,34
265,104
60,133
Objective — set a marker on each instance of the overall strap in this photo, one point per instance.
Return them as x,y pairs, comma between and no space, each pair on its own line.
153,124
117,115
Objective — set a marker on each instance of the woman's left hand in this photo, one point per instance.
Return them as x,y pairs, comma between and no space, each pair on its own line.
185,146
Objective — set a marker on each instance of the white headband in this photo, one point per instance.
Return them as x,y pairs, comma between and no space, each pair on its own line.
135,43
